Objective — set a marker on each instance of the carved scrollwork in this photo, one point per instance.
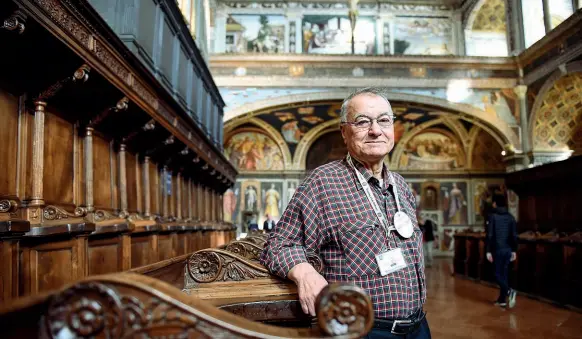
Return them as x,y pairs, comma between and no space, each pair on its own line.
215,265
259,241
245,249
15,22
85,310
8,206
344,310
55,213
82,73
122,104
101,215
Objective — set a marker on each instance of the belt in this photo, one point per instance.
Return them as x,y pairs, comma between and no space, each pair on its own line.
401,327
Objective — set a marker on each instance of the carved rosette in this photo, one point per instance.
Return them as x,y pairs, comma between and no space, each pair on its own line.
315,261
101,215
259,241
55,213
85,310
8,206
344,310
216,265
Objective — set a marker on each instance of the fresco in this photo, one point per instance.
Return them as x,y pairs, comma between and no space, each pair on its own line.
272,195
250,150
483,198
231,203
453,200
496,103
423,36
432,150
255,34
294,122
325,34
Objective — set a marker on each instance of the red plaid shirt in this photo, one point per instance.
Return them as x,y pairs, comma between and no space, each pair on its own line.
331,215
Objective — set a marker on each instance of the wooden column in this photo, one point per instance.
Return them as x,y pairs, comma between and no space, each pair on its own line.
165,192
521,92
146,185
178,195
88,154
190,209
122,180
35,198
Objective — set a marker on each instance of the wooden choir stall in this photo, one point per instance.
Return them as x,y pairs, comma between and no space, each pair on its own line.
549,254
102,168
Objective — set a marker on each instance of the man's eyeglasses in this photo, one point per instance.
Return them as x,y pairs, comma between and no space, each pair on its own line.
365,122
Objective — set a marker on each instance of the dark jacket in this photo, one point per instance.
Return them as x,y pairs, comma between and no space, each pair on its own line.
427,230
501,230
268,227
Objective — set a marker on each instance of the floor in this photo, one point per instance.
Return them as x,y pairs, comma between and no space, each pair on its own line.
460,308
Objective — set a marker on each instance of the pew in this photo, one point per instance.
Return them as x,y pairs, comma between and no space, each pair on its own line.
209,293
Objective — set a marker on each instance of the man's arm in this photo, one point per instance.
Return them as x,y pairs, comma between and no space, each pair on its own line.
513,238
490,229
296,233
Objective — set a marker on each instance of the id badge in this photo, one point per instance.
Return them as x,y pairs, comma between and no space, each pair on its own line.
390,261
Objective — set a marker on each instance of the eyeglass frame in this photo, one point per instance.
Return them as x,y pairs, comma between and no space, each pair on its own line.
371,120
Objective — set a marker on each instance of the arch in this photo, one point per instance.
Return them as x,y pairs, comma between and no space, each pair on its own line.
271,133
466,111
475,13
399,149
573,67
300,157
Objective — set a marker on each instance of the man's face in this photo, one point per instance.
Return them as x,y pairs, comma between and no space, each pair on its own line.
373,143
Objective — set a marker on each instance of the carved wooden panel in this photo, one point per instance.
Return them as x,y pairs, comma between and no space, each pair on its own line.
105,255
132,182
102,188
185,184
46,266
154,189
9,142
144,249
183,239
58,160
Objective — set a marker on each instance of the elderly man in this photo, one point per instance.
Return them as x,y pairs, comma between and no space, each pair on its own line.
360,219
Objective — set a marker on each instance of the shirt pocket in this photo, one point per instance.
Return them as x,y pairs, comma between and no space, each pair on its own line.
361,242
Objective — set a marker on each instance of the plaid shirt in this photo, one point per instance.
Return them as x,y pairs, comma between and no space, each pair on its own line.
331,215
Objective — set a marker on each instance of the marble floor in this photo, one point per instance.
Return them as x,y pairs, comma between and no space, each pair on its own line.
460,308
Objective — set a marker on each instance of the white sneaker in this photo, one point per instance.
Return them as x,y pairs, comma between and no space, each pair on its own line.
512,295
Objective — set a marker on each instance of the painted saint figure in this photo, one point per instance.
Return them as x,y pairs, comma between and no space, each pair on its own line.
272,202
251,198
456,203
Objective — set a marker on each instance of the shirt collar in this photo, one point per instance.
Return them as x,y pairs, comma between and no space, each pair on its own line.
369,177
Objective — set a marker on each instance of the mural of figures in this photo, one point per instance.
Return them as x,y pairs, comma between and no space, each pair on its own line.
454,203
497,104
253,151
292,132
513,203
448,239
229,201
432,150
416,191
251,196
324,34
272,200
255,34
423,36
291,186
483,198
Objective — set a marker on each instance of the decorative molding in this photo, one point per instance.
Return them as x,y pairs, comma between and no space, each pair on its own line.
102,215
8,206
211,265
51,213
245,249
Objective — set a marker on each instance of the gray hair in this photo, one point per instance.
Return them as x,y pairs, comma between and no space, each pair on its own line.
379,91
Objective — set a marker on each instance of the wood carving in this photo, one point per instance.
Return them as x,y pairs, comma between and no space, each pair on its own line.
211,265
344,309
15,22
55,213
315,261
259,241
102,215
245,249
8,206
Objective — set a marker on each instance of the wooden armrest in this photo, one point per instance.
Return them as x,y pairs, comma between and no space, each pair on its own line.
126,305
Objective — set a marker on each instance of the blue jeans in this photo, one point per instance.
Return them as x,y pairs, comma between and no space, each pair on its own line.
423,332
501,259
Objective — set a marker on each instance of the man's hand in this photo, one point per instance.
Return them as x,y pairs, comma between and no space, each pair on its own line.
309,284
513,256
489,257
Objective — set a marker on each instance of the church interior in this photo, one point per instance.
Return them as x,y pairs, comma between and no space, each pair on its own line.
146,144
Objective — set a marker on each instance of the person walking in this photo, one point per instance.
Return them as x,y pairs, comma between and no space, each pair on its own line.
501,247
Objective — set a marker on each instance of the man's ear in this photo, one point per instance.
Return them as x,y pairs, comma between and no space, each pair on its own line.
342,129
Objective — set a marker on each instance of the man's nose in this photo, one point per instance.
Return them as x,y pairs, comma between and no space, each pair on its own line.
375,128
